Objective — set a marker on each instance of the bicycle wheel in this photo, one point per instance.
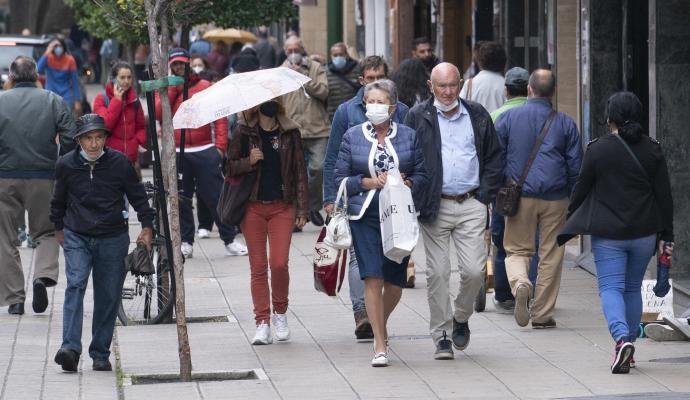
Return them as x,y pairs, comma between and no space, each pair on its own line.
149,299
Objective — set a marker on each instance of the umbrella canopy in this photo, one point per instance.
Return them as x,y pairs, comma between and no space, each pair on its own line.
230,35
235,93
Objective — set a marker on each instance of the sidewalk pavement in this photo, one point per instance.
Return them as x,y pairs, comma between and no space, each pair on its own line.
323,361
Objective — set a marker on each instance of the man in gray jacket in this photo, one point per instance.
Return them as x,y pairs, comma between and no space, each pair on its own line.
30,118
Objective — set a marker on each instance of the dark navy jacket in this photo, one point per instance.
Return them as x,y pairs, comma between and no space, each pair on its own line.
423,118
89,198
349,114
356,162
555,169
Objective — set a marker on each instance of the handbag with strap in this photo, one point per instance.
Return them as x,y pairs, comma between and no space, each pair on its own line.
234,197
338,234
508,196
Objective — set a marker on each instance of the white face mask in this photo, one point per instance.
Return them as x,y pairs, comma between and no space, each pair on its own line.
444,108
197,69
84,154
377,113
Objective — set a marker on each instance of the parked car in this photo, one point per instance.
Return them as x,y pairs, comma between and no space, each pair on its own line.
13,46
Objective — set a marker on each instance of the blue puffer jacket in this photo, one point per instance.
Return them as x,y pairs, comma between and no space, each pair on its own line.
555,169
356,161
349,114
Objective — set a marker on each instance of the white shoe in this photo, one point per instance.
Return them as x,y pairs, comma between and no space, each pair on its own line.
203,233
263,335
235,249
187,250
379,360
280,324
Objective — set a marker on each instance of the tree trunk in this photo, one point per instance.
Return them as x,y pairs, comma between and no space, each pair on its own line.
169,166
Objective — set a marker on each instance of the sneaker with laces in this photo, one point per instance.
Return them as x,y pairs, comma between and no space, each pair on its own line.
280,325
235,249
263,335
203,233
379,360
444,349
461,335
521,310
622,356
187,250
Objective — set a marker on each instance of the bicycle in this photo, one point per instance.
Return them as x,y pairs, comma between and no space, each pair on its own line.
149,299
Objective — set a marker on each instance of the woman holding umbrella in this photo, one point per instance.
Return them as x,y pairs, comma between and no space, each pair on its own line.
268,143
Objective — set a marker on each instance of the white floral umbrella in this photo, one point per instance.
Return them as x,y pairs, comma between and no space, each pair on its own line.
235,93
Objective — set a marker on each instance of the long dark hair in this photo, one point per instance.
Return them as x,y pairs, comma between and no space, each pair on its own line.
625,110
410,79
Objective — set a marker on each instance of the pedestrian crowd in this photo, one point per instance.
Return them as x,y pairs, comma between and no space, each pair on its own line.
481,155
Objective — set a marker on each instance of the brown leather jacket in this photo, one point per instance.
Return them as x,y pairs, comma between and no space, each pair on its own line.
293,166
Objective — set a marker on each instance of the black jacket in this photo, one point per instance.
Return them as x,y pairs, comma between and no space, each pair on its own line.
89,197
423,119
613,199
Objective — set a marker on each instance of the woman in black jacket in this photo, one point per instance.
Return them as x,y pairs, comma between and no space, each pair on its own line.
623,199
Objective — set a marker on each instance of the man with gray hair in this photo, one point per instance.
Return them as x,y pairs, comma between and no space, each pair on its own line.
462,182
309,112
29,120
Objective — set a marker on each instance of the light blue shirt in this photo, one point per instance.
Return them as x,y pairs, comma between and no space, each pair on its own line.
458,153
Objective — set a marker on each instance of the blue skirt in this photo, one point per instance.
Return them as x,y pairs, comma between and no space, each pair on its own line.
366,237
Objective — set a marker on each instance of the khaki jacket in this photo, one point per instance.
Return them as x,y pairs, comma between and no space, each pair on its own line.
310,112
293,166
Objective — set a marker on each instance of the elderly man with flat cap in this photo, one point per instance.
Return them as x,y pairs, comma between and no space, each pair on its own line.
90,188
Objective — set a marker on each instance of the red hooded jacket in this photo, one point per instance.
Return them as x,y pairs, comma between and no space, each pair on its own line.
199,136
124,119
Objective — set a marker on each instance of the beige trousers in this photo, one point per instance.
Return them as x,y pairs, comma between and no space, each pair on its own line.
34,196
465,223
549,216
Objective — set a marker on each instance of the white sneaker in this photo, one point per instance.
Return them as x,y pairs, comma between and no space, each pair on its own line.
235,249
203,233
263,335
379,360
281,326
187,250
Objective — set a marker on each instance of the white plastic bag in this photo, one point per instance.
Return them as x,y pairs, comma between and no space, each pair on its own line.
338,229
398,216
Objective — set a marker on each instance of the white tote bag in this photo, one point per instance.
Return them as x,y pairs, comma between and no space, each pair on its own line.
399,227
338,229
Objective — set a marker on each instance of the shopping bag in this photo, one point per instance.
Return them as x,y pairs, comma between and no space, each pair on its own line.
398,216
329,266
338,234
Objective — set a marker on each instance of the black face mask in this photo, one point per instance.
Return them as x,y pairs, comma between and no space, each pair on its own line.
269,109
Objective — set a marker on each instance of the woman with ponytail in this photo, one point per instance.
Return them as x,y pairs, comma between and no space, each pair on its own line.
623,199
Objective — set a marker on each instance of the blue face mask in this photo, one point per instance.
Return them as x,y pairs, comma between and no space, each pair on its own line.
58,51
339,62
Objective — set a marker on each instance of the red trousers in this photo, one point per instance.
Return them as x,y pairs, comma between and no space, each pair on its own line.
269,223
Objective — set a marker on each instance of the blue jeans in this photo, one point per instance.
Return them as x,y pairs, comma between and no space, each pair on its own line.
621,265
501,285
106,257
356,283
